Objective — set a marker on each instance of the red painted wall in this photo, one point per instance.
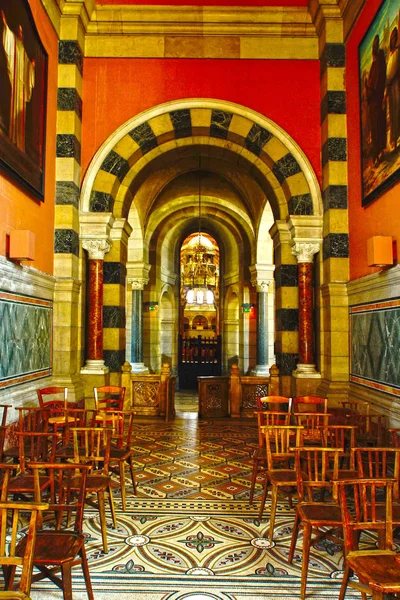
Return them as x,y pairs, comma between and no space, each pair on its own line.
382,217
18,209
287,92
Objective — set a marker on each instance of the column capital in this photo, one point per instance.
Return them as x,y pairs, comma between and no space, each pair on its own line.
304,251
96,248
261,276
137,283
261,286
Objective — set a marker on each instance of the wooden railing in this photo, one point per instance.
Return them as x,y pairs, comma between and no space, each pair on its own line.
150,395
234,395
223,396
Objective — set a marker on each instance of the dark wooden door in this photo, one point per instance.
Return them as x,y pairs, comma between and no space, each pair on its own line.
198,357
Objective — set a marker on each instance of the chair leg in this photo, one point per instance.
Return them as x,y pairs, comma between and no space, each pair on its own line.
253,479
112,507
295,535
264,497
86,573
274,496
66,571
345,580
103,524
306,557
130,461
122,482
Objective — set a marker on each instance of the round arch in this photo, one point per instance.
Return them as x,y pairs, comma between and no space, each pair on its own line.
276,160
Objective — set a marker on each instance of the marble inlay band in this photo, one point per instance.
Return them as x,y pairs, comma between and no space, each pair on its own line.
69,53
95,311
286,276
286,362
306,329
67,192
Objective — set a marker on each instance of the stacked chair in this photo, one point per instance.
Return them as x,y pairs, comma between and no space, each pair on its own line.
60,460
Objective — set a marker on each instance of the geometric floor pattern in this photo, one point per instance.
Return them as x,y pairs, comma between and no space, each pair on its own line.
190,533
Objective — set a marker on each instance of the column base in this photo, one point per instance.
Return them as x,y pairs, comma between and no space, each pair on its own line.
94,367
305,371
139,369
260,371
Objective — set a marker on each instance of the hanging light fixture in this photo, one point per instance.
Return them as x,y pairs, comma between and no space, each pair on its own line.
199,271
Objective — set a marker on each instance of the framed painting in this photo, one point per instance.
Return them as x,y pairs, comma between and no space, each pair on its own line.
23,82
379,73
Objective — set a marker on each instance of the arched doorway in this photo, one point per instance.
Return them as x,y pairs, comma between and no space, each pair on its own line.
260,198
199,348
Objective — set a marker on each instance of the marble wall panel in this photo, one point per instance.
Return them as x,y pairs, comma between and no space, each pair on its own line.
375,345
25,338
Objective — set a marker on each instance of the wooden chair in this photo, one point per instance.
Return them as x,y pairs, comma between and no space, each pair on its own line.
309,404
10,559
313,424
30,418
60,548
379,463
265,418
34,446
370,424
278,403
54,400
377,570
280,466
312,512
92,447
121,454
343,437
107,399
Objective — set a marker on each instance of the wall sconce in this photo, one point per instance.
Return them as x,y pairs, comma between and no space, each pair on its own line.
151,306
22,245
380,251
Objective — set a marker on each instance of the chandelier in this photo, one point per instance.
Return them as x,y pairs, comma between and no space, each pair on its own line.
199,272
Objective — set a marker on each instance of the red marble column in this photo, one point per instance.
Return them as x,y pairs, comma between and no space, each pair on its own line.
306,326
95,310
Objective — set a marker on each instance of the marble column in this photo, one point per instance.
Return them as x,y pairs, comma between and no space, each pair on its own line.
137,325
96,248
304,252
262,367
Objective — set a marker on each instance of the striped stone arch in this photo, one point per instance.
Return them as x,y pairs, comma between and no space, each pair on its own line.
266,146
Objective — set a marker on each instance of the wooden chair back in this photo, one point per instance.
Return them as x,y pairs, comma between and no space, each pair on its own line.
92,446
109,398
36,446
316,469
279,441
310,404
379,463
313,424
10,518
269,418
277,403
366,505
53,397
64,499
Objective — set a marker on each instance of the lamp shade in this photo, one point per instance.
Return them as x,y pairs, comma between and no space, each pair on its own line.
380,251
22,244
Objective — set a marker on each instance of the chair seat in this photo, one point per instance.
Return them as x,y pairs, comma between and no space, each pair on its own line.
382,565
282,477
320,513
55,547
61,419
25,484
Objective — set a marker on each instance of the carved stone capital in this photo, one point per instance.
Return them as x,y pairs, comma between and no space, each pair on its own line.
137,283
304,251
96,248
261,286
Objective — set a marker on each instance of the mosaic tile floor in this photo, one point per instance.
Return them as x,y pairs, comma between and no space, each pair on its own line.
190,533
